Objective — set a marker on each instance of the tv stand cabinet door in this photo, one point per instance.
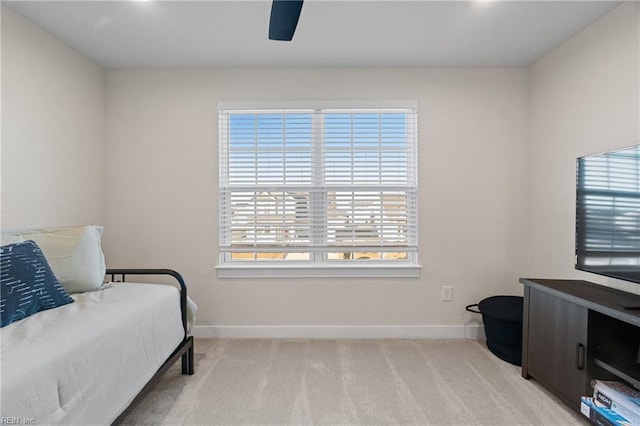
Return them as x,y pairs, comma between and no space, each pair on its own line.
557,345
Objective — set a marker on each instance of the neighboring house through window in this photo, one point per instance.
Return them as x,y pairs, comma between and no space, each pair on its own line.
321,187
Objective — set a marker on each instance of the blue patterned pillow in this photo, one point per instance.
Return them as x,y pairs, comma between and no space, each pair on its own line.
27,284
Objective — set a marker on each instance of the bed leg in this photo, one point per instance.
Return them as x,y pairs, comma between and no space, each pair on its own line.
187,359
185,363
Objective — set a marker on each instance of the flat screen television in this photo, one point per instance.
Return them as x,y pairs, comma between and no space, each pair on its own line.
608,214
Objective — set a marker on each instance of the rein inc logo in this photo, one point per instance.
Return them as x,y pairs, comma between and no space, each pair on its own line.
17,421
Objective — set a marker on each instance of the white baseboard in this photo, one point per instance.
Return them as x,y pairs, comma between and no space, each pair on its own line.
471,331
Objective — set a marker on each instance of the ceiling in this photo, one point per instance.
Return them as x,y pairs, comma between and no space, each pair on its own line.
344,33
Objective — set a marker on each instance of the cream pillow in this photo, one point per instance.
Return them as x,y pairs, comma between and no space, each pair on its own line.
74,254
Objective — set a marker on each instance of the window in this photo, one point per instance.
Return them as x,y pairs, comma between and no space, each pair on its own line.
318,187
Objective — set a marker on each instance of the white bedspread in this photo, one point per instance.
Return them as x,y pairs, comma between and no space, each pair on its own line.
83,363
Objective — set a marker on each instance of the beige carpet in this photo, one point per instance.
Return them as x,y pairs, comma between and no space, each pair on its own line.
348,382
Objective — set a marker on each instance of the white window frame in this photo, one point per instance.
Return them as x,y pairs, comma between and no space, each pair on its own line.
317,266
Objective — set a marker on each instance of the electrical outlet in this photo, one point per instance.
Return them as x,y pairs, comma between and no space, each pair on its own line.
447,293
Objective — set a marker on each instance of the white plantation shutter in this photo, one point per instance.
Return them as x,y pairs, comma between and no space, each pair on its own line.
318,181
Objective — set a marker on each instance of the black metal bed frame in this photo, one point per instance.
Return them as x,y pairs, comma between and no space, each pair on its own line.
184,349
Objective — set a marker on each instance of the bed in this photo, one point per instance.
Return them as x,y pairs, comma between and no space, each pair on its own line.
87,362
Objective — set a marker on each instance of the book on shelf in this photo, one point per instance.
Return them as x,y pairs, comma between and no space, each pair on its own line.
599,414
619,397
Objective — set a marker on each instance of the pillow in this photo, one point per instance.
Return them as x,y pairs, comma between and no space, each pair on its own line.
27,283
74,254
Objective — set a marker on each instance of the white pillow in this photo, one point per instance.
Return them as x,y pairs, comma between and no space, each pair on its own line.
74,254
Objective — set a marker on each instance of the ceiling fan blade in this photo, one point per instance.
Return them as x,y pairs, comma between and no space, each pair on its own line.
284,19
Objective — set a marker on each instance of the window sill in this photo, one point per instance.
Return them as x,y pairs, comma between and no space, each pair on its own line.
318,271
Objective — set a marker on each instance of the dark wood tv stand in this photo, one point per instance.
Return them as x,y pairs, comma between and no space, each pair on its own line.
576,331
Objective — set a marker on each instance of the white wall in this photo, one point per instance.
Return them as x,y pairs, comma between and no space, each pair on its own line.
53,130
162,190
584,99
